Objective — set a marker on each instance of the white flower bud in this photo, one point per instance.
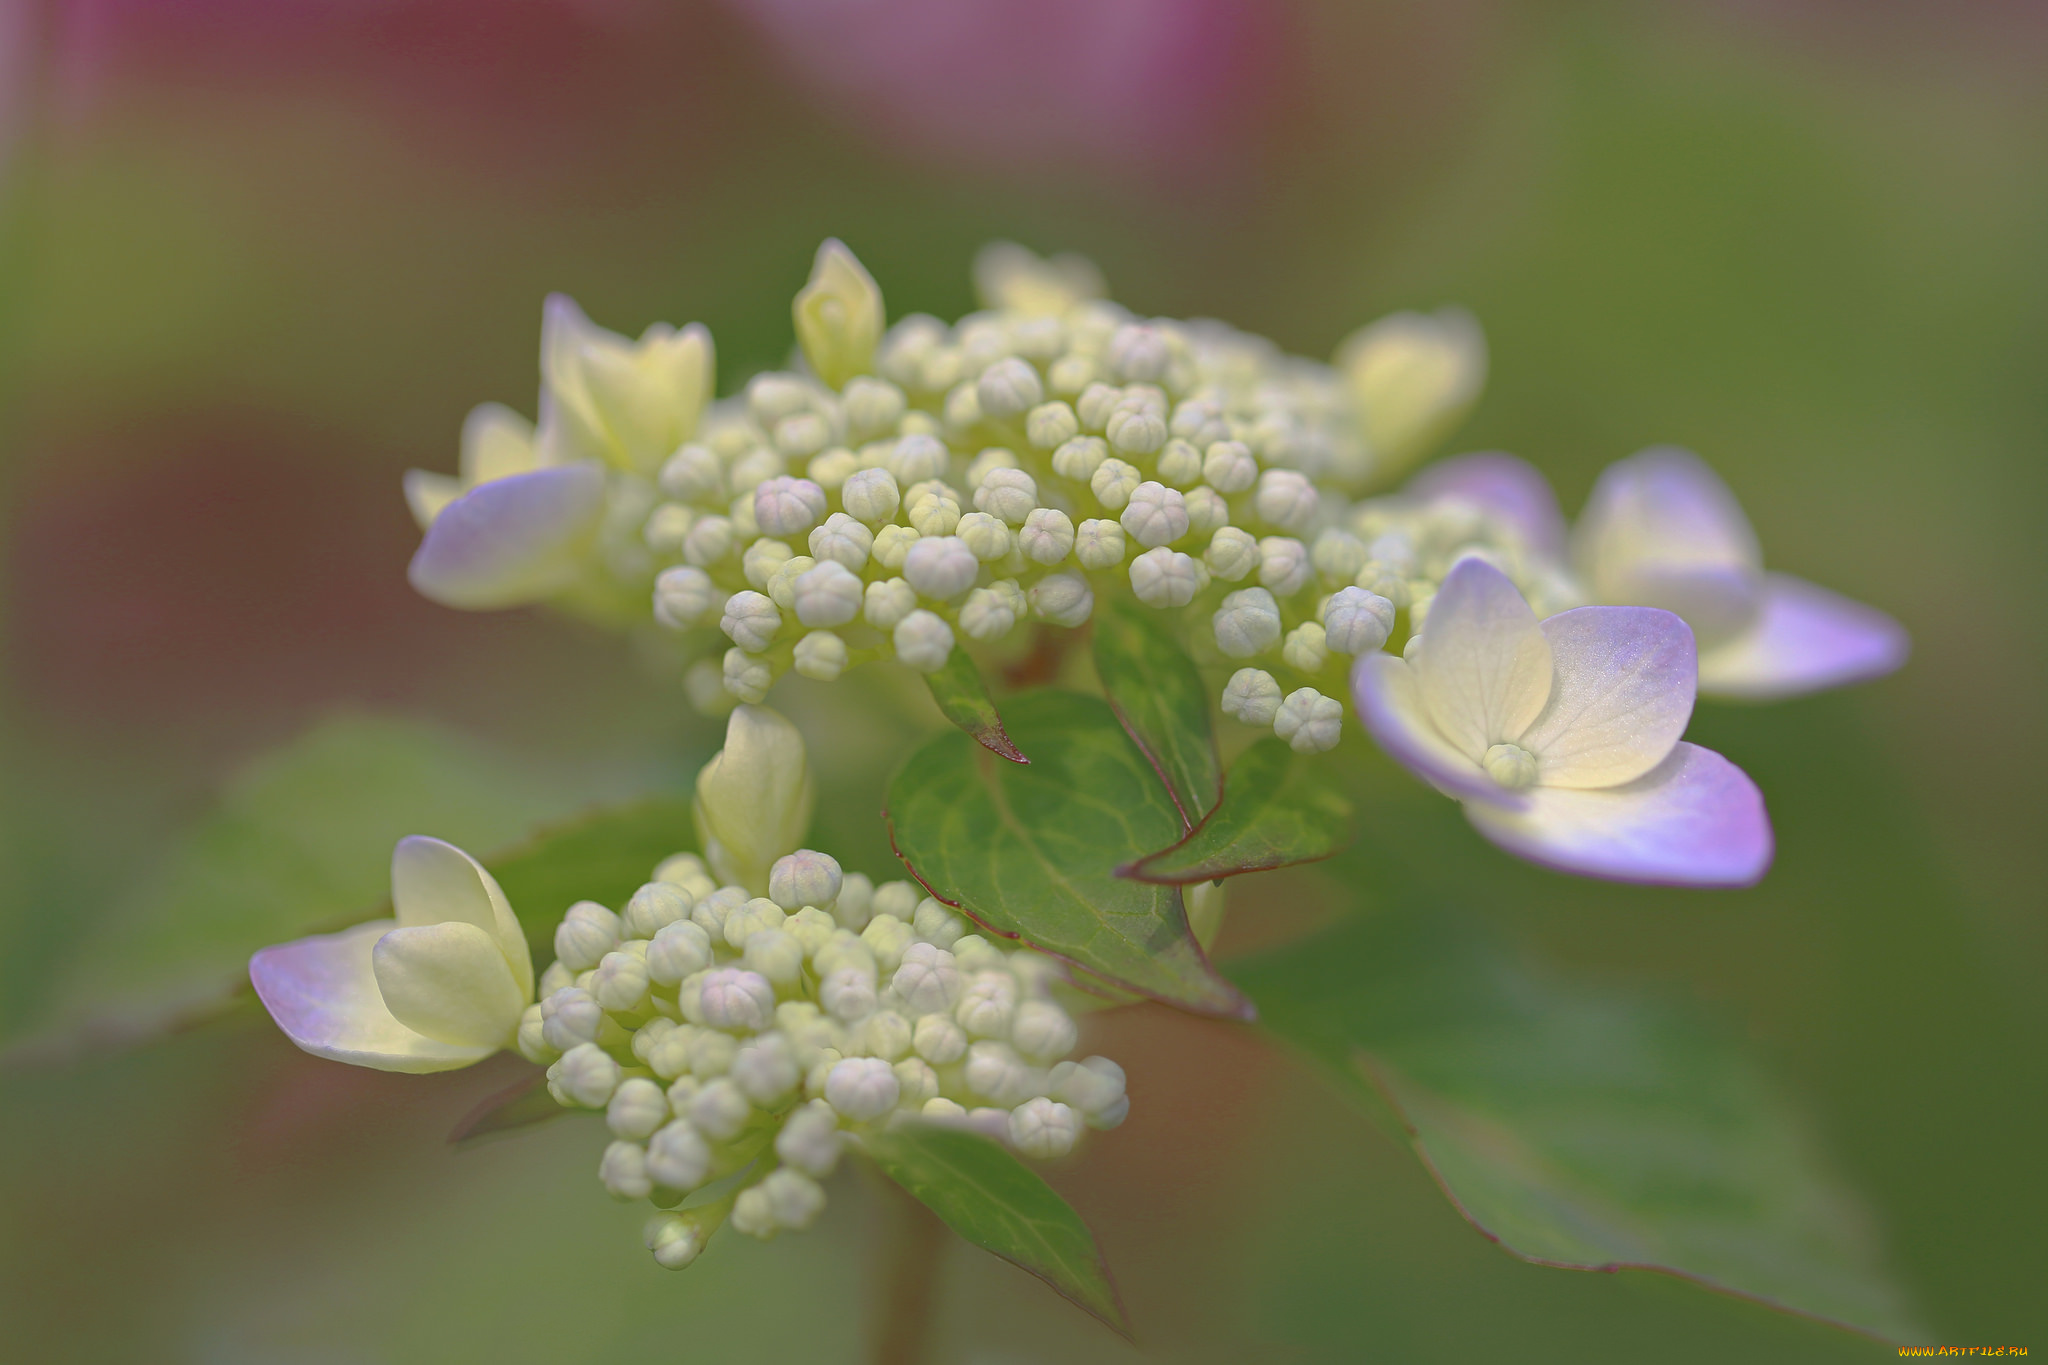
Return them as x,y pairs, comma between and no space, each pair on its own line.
1135,430
1165,578
987,463
794,1199
570,1017
1096,405
1138,351
963,408
898,898
939,1039
842,540
676,951
933,514
872,406
802,435
927,978
1229,467
1232,554
733,998
1050,425
757,914
831,469
709,541
687,871
941,1110
587,932
1337,556
1207,512
985,537
762,559
1113,482
887,937
1099,543
711,1054
655,906
777,955
924,641
1356,621
753,1214
1047,536
1199,423
848,993
754,797
1309,721
1283,565
936,923
1305,649
1042,1031
1285,499
719,1110
663,1046
1044,1129
621,983
587,1074
751,620
1094,1086
917,458
1180,465
678,1157
827,594
781,588
987,615
820,655
1252,696
624,1171
637,1109
976,954
749,472
711,912
870,496
1064,599
746,676
1008,494
888,602
987,1005
805,877
1009,388
532,1040
856,900
810,1140
1079,457
1247,623
917,1083
692,474
995,1072
1155,514
862,1088
941,567
885,1034
765,1070
682,596
812,928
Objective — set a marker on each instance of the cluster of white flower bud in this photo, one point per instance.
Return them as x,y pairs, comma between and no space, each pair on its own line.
746,1039
922,486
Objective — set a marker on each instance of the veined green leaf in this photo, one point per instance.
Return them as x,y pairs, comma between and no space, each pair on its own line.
1278,808
984,1193
1158,695
963,699
604,855
1579,1128
1032,852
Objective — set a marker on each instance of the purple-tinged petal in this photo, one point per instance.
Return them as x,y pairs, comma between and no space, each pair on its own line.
1662,530
1506,487
322,991
1483,665
1694,820
1621,695
511,541
1805,639
1390,705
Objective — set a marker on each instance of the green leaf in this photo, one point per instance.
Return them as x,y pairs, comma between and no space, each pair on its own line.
1032,852
604,855
1278,808
1580,1128
1158,695
963,699
300,841
984,1193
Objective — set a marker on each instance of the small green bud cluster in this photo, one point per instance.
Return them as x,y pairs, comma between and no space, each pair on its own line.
744,1040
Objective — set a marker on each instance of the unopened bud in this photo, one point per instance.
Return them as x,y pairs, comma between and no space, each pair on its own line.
987,1005
794,1199
995,1071
1065,599
804,877
1113,482
777,955
624,1171
927,978
678,1156
810,1140
1232,554
757,914
1285,499
1042,1031
1099,543
838,316
862,1088
1079,457
885,1034
1305,648
638,1107
937,924
532,1038
570,1017
719,1110
1044,1129
733,998
1247,623
1165,578
923,640
587,932
1357,621
1309,721
621,982
587,1074
939,1039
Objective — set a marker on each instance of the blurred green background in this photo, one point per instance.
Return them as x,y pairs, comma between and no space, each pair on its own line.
259,260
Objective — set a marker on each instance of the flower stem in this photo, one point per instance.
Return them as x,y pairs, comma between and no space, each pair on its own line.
912,1285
